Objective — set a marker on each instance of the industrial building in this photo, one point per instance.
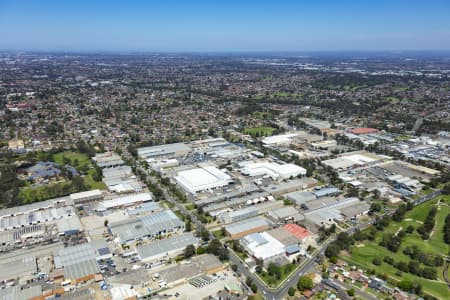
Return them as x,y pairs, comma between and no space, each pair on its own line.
125,201
149,226
298,231
145,208
19,293
284,236
121,180
271,169
17,217
20,267
324,192
78,262
202,178
329,203
108,160
281,139
356,210
168,150
262,246
87,196
296,184
299,198
352,160
285,214
248,212
243,228
166,248
326,211
70,225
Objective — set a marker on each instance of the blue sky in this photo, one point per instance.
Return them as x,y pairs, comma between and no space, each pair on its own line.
227,25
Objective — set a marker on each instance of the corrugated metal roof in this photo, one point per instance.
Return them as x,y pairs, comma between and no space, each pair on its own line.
247,225
173,243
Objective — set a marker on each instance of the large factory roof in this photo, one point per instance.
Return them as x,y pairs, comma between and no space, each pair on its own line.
88,194
163,150
204,178
15,267
149,225
168,245
124,201
263,245
247,224
78,261
272,169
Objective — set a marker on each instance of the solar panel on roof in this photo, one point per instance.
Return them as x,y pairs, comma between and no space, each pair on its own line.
104,251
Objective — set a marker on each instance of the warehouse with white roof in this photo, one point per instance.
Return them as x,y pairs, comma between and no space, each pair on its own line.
272,169
124,201
262,246
163,150
201,179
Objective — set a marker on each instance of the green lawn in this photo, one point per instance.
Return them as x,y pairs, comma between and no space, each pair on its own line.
82,158
218,234
262,131
402,138
272,281
363,253
91,183
82,163
45,192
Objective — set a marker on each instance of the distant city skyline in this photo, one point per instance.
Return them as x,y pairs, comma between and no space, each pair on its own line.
224,26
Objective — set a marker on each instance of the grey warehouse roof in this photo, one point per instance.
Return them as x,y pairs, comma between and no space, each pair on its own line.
17,293
13,268
153,224
173,243
248,224
300,197
78,261
161,150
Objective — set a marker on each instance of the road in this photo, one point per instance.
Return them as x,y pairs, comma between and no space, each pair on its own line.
167,196
358,292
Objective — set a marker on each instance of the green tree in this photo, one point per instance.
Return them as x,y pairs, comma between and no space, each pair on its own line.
189,251
188,226
305,283
291,291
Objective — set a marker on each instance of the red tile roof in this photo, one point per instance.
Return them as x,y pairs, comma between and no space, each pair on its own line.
296,230
363,130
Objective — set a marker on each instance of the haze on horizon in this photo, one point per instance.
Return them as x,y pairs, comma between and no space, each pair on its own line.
224,26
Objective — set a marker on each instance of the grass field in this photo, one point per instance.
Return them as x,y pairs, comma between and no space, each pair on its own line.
82,159
262,131
81,162
363,254
272,281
